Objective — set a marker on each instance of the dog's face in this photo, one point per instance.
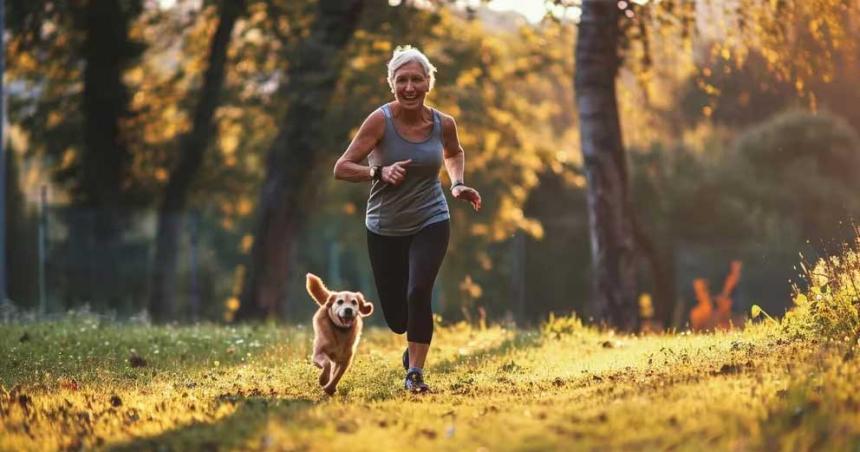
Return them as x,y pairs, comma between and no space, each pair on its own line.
342,307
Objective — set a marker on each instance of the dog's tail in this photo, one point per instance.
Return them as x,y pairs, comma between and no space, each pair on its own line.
318,291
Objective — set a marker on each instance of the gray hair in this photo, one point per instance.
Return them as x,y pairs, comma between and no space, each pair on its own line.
408,54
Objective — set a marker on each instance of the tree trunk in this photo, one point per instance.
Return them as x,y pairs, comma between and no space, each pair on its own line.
106,157
610,220
193,145
286,191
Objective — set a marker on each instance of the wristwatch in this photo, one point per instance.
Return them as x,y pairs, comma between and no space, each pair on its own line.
456,184
375,173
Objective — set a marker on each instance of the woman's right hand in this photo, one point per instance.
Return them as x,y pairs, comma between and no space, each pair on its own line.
395,173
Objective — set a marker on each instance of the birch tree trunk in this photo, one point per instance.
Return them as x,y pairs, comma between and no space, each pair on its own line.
609,209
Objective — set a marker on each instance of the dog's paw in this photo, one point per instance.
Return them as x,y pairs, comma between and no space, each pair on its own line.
330,390
324,378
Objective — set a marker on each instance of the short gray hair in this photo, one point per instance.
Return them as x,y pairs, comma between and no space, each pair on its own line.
408,54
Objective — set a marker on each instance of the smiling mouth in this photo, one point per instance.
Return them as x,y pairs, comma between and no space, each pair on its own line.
346,321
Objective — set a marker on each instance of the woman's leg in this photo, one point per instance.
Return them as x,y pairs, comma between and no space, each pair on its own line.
426,253
389,259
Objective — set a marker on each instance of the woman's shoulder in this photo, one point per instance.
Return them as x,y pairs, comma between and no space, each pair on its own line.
446,119
374,123
377,116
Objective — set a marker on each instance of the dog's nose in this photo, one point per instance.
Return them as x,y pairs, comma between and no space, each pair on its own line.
348,312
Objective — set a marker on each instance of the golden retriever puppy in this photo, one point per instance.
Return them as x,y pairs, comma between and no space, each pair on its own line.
337,329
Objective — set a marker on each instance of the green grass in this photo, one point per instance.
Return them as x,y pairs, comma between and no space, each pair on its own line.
71,383
792,384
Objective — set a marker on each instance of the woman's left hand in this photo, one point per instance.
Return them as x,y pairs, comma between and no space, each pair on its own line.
468,194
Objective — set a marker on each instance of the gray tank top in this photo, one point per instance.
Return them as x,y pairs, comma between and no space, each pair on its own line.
419,200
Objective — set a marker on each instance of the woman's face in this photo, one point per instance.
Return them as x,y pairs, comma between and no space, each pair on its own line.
411,85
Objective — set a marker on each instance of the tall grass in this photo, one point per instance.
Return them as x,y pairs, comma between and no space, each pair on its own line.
830,307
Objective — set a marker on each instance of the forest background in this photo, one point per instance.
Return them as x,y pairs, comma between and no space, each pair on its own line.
128,120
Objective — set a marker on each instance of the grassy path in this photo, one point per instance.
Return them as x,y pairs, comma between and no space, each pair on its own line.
82,383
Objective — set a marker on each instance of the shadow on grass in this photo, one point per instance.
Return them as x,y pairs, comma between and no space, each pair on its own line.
229,433
521,340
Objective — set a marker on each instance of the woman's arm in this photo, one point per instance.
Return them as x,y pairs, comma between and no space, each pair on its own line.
349,167
455,163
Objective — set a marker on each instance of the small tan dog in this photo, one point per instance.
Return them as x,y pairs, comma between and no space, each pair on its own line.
337,329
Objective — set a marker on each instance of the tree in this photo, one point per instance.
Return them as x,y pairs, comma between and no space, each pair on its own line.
285,193
193,146
798,37
610,215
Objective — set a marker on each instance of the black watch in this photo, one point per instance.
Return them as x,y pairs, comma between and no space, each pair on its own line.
375,173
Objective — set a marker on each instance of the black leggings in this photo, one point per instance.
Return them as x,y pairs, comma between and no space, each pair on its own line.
404,269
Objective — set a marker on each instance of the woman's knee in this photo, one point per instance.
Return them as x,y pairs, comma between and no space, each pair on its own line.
396,324
420,295
422,335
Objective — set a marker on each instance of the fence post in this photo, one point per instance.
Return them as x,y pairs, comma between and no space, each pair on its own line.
194,236
518,276
3,287
42,245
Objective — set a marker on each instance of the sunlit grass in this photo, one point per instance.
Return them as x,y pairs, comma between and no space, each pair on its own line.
74,383
788,384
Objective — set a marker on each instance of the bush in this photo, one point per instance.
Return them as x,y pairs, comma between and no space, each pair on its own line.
557,327
830,308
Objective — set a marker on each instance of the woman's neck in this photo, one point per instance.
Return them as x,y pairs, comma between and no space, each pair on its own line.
411,116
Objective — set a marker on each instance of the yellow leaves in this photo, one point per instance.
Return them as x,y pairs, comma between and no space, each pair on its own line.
381,46
244,207
24,63
479,229
491,141
470,288
134,76
246,243
484,261
54,119
646,307
800,300
468,77
229,137
69,158
359,63
161,175
755,311
232,304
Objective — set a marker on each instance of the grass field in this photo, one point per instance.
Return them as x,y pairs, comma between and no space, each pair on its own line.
792,384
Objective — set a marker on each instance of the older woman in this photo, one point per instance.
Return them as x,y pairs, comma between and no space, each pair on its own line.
405,143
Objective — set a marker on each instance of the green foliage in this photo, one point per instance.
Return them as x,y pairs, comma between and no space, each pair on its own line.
830,307
817,155
558,327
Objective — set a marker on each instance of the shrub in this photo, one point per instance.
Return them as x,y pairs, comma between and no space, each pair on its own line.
830,307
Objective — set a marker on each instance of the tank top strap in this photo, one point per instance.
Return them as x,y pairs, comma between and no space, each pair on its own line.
437,123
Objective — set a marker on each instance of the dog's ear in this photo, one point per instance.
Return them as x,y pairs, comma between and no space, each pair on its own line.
317,289
365,308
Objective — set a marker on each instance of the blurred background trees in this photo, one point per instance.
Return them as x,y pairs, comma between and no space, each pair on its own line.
194,195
